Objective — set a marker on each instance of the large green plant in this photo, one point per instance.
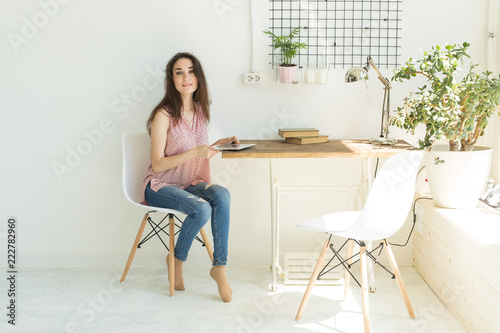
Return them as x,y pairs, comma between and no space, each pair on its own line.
450,109
289,48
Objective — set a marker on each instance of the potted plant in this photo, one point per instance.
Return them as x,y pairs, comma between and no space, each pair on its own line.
289,49
455,110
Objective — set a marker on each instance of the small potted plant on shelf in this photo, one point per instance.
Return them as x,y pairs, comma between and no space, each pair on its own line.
455,110
289,49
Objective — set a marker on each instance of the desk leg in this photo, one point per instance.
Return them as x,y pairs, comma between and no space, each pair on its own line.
275,265
371,283
368,178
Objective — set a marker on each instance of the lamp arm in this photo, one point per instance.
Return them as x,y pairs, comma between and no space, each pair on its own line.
384,126
369,62
386,106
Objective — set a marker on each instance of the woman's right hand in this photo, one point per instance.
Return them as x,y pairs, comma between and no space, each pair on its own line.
205,151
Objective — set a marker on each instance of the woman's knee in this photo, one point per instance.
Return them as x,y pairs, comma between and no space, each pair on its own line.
220,193
201,210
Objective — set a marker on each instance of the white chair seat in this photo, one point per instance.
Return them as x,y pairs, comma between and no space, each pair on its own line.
158,209
335,223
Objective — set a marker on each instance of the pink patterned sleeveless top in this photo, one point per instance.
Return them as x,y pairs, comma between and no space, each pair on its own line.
181,138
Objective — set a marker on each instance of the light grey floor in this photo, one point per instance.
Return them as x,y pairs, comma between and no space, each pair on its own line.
92,300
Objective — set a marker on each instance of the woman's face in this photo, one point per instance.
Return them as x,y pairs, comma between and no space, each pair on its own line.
184,78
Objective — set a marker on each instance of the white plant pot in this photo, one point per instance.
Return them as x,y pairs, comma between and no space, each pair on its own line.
288,74
461,179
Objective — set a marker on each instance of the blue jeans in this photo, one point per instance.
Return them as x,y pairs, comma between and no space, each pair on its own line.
200,202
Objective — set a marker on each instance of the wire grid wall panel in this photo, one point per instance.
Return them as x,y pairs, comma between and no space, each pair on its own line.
340,33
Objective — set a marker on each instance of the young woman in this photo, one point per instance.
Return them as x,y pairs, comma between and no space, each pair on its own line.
179,174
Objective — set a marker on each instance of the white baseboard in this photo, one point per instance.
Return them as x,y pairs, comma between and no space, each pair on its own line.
149,259
141,259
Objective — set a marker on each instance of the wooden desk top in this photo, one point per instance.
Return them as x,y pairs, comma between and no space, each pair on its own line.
333,148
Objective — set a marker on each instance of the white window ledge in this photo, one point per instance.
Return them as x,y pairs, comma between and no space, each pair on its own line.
482,224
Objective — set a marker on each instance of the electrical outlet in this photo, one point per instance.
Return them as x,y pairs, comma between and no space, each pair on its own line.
251,78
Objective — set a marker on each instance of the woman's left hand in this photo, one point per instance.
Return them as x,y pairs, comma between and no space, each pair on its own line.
226,141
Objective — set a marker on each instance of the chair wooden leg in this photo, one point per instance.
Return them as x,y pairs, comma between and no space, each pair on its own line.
313,279
134,247
347,276
364,288
399,280
207,244
171,263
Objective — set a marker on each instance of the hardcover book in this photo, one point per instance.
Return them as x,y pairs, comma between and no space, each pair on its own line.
307,140
298,132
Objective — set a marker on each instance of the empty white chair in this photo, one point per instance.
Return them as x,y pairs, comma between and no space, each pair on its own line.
136,159
384,212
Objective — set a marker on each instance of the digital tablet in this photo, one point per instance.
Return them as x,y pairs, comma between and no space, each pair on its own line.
234,146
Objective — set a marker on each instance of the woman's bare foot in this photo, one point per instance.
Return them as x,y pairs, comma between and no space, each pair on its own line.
218,273
179,280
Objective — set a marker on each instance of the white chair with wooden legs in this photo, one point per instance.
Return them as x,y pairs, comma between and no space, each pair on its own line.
136,157
384,213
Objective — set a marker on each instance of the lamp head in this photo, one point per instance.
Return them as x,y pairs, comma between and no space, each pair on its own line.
356,74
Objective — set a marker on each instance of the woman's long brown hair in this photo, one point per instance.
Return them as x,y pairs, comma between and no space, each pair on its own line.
172,101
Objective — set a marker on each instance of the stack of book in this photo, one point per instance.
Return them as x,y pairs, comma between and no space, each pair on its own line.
302,136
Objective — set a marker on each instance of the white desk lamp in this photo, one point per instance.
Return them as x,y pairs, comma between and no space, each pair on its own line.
361,74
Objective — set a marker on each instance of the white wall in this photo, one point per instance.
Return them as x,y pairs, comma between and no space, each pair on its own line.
74,74
492,51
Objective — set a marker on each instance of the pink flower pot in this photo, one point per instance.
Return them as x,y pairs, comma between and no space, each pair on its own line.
288,74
